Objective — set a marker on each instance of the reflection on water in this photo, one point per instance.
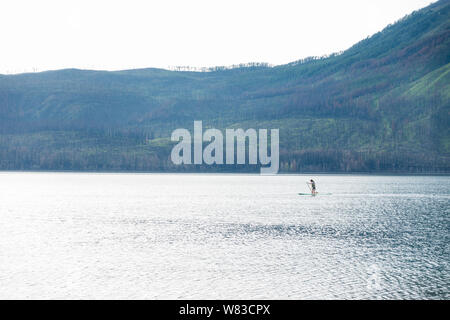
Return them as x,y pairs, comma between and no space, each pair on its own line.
70,235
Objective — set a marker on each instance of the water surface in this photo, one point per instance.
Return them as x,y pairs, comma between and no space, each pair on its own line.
168,236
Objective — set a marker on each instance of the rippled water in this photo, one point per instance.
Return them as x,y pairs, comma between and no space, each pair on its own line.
79,235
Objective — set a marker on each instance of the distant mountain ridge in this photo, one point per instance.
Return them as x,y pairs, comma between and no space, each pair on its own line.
381,106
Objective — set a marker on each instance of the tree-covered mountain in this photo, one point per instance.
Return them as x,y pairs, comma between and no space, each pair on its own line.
381,105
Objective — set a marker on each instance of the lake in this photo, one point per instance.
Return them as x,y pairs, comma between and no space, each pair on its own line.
202,236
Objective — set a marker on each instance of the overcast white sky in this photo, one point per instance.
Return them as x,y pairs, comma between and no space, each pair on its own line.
113,35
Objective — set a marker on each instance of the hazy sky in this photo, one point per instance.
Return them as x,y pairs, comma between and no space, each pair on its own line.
112,35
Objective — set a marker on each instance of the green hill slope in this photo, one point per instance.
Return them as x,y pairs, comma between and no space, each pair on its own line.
381,105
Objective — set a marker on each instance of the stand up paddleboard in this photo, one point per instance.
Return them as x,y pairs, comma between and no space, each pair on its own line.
313,195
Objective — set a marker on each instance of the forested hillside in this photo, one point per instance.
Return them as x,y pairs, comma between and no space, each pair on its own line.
381,106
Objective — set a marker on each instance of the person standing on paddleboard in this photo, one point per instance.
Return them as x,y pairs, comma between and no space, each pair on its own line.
313,186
